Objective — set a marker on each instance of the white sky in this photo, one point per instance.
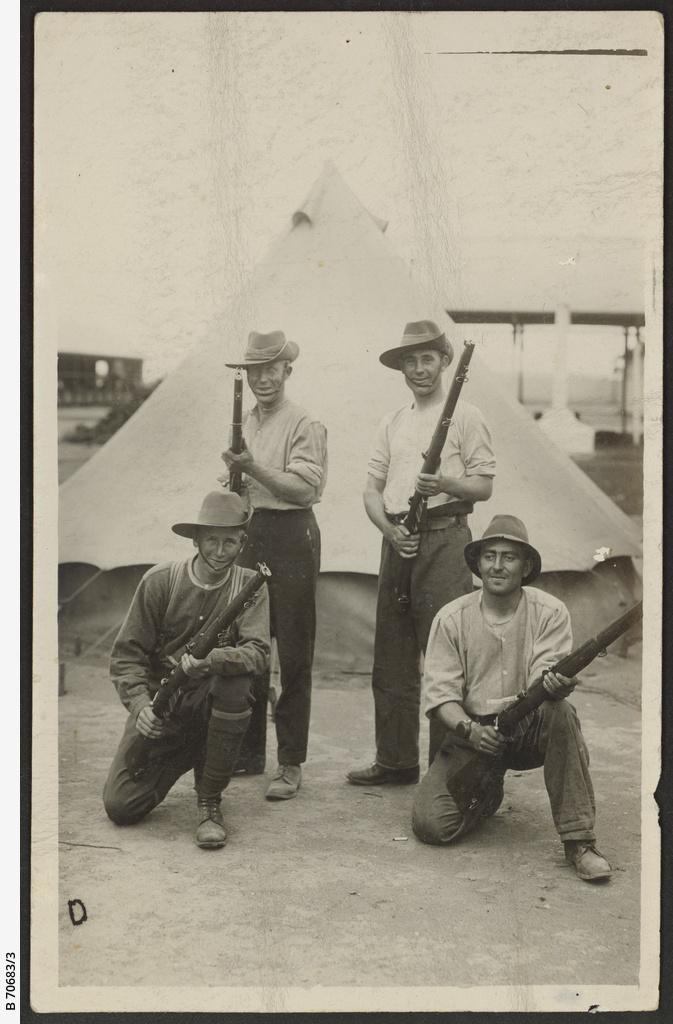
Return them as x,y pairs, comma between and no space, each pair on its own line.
172,148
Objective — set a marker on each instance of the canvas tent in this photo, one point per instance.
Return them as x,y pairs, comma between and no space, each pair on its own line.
334,284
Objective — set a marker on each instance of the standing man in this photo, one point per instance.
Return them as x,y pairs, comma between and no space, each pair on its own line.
204,731
438,573
485,648
285,467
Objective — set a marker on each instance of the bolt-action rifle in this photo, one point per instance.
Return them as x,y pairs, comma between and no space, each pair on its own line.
431,461
199,647
468,780
237,442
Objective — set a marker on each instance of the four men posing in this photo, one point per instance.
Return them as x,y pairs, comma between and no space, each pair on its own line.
482,646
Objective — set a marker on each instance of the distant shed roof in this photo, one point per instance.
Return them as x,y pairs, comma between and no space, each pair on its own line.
79,338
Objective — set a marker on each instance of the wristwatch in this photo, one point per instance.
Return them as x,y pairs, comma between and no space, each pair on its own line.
463,729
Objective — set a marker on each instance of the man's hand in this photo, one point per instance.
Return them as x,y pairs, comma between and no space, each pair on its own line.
243,462
148,724
430,484
487,740
224,479
195,668
465,488
558,686
404,543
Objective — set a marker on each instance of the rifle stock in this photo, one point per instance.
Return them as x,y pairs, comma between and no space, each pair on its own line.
466,782
199,647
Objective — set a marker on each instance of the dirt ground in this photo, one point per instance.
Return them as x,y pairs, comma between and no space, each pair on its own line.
332,888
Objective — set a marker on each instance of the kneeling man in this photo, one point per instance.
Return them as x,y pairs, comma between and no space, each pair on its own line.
205,729
483,649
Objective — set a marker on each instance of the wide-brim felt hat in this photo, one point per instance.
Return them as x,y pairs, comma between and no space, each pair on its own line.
504,528
418,334
218,508
266,348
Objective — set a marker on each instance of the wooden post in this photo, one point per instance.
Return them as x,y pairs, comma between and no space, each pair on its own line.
515,331
520,381
637,391
559,394
626,360
559,422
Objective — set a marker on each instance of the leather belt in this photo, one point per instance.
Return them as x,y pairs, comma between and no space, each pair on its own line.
282,511
484,719
449,510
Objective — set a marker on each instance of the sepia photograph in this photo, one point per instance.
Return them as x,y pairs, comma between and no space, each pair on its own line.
347,516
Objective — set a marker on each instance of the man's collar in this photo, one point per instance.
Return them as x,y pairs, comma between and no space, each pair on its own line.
441,398
262,412
191,569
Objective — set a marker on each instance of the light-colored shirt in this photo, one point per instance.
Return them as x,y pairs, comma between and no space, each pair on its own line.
483,667
290,440
404,435
169,608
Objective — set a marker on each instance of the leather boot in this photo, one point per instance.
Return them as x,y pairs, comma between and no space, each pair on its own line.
589,863
285,783
210,833
223,744
375,775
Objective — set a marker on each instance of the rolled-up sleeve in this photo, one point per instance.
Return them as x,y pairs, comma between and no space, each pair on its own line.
379,460
476,445
308,453
250,653
443,674
553,641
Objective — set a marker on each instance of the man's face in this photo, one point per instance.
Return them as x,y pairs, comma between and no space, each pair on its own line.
268,380
422,370
219,546
503,565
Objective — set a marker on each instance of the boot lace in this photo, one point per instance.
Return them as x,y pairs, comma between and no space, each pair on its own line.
209,807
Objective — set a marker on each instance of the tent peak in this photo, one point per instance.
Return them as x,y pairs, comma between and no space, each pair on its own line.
327,185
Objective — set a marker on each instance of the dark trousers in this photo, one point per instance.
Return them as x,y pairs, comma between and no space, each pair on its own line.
127,799
289,543
438,575
550,737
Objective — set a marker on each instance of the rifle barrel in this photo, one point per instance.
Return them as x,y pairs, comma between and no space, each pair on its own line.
235,477
568,666
433,456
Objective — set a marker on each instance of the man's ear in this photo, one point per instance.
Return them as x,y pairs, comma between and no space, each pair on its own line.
244,538
195,542
527,567
445,360
288,369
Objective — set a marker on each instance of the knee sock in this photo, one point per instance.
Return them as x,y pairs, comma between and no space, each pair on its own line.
223,743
